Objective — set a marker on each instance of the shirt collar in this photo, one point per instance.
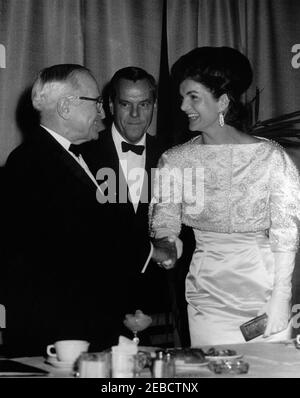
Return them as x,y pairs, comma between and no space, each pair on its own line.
64,142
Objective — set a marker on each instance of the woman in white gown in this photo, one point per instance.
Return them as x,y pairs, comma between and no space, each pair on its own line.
240,194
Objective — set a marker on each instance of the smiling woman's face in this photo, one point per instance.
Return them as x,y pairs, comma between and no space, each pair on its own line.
200,106
132,109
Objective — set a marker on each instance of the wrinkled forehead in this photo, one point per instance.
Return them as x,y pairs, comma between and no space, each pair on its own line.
80,82
87,84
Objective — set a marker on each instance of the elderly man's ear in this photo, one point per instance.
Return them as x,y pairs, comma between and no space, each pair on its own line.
111,106
63,107
102,114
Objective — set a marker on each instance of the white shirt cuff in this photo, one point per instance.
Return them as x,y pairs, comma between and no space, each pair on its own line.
148,259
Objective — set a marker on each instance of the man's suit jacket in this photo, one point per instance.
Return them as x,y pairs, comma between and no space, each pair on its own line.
149,291
60,282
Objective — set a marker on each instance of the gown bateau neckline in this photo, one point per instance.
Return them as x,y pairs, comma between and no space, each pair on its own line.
262,140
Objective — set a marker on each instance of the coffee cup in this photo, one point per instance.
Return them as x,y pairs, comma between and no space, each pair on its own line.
67,350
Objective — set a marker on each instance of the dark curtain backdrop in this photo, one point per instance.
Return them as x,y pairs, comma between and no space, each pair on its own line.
106,35
103,35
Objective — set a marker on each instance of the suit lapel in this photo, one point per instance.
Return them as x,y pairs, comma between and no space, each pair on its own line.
112,159
55,151
151,160
76,169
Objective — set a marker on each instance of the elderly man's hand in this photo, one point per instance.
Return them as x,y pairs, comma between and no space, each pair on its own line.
165,252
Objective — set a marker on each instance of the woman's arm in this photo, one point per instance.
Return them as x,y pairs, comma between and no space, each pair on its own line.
284,237
166,205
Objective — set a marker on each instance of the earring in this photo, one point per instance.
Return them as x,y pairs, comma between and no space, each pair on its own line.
221,119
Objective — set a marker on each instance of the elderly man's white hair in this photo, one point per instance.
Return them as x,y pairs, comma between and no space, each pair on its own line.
55,82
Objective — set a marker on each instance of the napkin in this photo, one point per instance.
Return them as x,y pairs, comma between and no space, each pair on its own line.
9,367
125,346
123,358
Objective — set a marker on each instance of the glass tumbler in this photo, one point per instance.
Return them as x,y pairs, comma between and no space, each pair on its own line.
95,365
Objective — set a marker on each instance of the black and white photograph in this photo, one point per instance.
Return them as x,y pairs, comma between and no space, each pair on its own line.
150,191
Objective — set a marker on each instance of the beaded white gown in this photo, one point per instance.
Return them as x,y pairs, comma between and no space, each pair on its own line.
242,202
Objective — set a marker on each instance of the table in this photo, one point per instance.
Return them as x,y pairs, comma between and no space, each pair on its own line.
266,360
40,362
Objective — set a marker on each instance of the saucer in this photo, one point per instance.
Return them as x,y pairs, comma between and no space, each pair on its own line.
150,350
182,367
223,357
59,364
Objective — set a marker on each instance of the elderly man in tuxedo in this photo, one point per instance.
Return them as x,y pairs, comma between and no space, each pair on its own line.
62,281
132,154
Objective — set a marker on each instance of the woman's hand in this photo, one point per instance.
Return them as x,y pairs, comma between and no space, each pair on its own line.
278,307
278,311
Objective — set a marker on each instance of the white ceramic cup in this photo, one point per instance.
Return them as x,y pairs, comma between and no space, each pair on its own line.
67,350
298,339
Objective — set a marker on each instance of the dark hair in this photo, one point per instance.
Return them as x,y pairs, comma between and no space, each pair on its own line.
222,70
134,74
61,72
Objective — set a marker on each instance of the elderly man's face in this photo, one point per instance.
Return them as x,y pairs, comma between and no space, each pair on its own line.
132,109
85,117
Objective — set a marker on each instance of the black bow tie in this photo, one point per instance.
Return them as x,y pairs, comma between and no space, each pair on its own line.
75,149
138,149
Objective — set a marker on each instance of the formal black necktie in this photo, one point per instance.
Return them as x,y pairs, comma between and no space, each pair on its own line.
75,149
138,149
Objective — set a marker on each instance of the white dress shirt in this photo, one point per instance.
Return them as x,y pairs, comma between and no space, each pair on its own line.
133,166
131,163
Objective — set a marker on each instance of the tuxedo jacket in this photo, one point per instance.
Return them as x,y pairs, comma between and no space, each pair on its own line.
150,291
61,278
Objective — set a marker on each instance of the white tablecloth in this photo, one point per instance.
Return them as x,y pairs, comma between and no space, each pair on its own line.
266,360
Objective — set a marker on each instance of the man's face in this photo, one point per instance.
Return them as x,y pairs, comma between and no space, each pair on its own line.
84,121
132,109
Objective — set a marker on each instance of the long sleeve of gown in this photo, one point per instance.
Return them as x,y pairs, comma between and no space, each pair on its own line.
165,207
284,229
284,204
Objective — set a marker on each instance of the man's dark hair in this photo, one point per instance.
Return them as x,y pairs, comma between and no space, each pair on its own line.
134,74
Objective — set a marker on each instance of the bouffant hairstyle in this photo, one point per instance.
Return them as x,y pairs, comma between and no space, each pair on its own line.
222,70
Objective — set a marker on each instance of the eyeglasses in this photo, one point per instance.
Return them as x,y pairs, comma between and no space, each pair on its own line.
98,100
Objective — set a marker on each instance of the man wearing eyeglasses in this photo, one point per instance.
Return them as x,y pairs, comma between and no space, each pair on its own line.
57,249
